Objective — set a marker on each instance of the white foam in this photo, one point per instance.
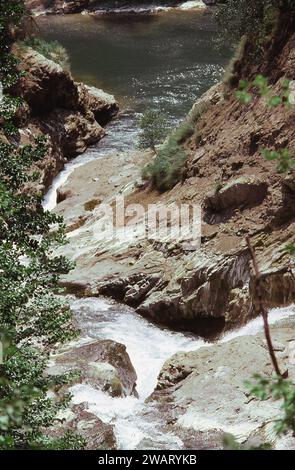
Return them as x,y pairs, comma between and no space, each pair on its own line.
148,347
256,325
121,136
191,5
49,201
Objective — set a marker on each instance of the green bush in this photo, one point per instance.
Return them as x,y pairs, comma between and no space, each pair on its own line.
277,388
166,169
183,132
153,129
52,50
230,76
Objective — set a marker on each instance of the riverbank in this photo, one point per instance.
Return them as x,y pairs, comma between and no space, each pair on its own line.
109,7
70,114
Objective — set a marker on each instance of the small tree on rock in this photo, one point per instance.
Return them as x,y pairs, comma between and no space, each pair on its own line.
154,128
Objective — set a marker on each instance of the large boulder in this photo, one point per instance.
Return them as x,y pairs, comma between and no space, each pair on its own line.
97,434
204,390
46,85
102,104
74,132
69,113
104,364
240,192
199,295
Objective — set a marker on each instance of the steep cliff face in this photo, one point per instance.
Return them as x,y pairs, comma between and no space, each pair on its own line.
69,113
240,193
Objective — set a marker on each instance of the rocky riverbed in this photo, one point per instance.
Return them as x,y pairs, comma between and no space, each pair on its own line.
200,393
205,390
205,290
99,7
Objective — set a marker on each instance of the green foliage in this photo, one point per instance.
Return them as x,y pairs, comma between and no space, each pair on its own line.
52,50
245,95
277,388
290,249
154,128
182,132
230,75
9,106
166,169
247,91
30,311
24,405
33,317
252,18
240,17
10,15
69,440
284,158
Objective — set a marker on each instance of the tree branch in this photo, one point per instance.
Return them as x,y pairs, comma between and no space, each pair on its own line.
264,311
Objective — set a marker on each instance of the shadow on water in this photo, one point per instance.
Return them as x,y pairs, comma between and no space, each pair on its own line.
130,21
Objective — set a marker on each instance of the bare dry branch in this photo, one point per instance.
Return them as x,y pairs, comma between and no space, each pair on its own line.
264,311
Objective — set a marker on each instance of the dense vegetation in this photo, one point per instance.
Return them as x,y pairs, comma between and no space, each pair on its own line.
32,317
167,167
52,50
237,18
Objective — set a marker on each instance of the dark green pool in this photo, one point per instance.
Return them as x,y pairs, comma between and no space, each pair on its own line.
163,61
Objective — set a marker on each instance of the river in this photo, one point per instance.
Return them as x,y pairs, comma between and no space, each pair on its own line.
164,61
137,424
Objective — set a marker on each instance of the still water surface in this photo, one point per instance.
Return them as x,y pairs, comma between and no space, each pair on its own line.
162,61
